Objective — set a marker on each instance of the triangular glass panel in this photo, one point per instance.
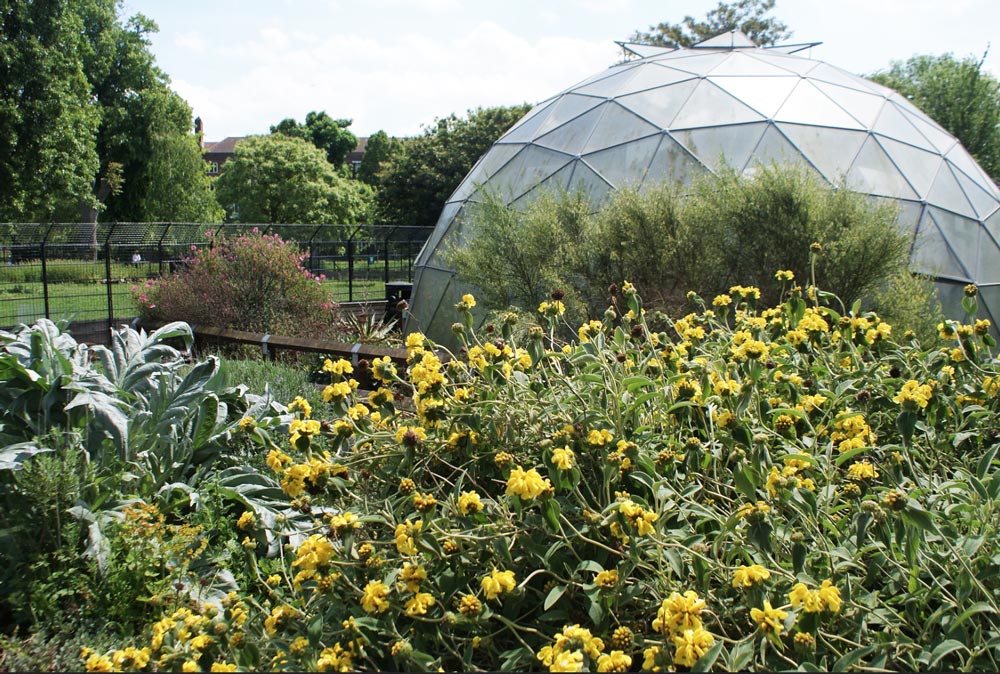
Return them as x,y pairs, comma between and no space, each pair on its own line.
960,157
982,201
920,168
645,50
659,106
874,173
774,148
624,164
532,165
947,194
651,75
566,108
962,234
730,39
588,182
763,94
613,70
808,105
793,64
908,214
722,147
527,125
444,226
992,225
611,86
710,105
988,269
825,72
616,127
931,254
554,184
672,163
939,138
831,151
892,123
488,164
862,106
699,64
989,303
574,134
744,64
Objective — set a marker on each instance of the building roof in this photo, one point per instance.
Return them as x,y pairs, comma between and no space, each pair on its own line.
224,146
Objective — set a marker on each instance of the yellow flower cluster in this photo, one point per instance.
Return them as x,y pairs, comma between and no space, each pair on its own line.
563,458
825,598
552,309
469,503
527,485
862,470
313,558
570,647
769,619
640,519
748,576
852,432
405,536
497,583
679,619
914,395
788,477
374,597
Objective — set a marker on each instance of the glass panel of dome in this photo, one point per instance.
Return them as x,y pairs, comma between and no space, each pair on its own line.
831,151
611,86
722,146
989,303
613,70
962,234
743,64
529,167
626,163
827,73
920,168
490,163
699,64
931,254
659,106
444,225
774,148
710,105
763,94
946,193
586,181
651,75
939,138
554,184
538,108
571,136
793,64
808,105
569,106
524,131
864,107
988,271
618,126
892,123
672,163
728,40
964,162
909,213
874,172
983,202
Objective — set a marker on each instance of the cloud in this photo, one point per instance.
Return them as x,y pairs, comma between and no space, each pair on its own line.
191,41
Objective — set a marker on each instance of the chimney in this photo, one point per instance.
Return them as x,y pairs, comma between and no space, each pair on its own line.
199,132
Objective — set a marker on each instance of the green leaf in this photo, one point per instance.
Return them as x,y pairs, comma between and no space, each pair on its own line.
942,649
849,454
550,510
978,607
705,662
744,484
844,663
915,514
315,630
589,565
553,596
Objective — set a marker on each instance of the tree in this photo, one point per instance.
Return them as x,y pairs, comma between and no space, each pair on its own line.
748,16
416,182
47,124
958,95
280,179
379,150
328,134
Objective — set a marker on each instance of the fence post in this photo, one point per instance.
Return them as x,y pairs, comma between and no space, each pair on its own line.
385,252
159,248
107,277
350,269
45,271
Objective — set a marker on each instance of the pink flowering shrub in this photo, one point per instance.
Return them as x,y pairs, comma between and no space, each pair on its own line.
252,282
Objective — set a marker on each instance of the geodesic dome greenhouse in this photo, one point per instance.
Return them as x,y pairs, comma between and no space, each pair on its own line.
669,115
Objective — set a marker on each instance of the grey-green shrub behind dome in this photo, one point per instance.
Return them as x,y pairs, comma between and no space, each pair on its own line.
673,114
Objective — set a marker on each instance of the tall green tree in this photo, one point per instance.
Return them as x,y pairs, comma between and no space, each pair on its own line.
958,95
328,134
416,182
379,150
280,179
749,16
48,124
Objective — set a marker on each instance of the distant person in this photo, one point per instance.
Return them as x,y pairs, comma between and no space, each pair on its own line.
136,259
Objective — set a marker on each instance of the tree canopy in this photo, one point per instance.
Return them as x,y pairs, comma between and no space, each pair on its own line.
379,150
416,182
88,122
328,134
958,95
279,178
749,16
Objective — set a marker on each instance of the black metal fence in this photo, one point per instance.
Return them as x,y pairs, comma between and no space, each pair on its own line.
87,274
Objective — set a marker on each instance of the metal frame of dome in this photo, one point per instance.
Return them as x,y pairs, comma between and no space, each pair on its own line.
675,113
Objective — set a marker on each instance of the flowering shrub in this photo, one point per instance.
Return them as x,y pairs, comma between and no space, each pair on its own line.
740,488
254,282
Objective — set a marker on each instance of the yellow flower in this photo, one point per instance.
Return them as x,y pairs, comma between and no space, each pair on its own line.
679,612
862,470
246,521
419,603
769,619
748,576
340,367
826,598
691,644
830,596
468,301
470,606
913,395
606,579
190,666
526,485
568,661
374,599
413,575
404,535
563,458
469,502
279,616
410,436
497,583
301,404
615,661
224,667
784,275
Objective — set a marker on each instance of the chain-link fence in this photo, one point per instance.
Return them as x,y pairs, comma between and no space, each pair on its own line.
85,273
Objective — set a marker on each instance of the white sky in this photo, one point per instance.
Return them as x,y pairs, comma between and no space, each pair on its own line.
396,65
